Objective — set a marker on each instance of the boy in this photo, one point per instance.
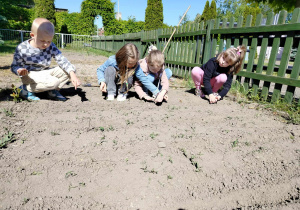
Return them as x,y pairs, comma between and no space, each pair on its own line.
32,60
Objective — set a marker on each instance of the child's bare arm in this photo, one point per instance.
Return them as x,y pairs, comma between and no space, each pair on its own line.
74,79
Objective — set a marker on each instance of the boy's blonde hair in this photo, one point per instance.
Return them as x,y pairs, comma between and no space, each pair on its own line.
42,25
155,58
236,57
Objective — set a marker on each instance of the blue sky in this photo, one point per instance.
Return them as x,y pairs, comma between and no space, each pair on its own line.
172,9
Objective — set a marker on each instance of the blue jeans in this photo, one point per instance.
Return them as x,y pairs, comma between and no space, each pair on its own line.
151,78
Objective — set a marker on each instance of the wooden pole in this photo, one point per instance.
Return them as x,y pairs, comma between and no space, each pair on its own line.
175,29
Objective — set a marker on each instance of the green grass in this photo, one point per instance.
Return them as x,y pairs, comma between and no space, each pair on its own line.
88,51
8,47
290,112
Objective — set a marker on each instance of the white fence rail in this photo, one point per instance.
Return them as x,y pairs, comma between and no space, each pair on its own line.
61,40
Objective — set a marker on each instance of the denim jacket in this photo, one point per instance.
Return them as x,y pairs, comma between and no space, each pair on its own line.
138,73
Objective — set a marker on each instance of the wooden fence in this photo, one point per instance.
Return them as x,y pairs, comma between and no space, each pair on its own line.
194,44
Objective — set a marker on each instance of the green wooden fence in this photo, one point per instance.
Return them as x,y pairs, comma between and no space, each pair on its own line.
194,44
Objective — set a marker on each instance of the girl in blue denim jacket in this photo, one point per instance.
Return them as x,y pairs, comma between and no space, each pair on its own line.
119,70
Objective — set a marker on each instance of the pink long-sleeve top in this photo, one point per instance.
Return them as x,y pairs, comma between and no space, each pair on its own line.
138,86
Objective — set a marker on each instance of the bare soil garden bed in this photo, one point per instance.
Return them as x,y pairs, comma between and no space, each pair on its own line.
88,153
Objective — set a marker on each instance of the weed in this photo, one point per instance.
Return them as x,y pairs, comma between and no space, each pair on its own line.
69,174
101,129
152,171
111,128
36,173
115,142
25,200
234,143
170,160
169,177
7,138
82,184
71,186
247,143
15,93
128,122
153,135
8,112
53,133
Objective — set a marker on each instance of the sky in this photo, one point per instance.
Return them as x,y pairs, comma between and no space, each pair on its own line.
136,8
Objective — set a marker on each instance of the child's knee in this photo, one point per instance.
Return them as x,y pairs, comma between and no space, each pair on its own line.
196,71
222,78
110,71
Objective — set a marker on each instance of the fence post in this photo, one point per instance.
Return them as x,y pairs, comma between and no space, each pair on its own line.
206,54
22,36
62,41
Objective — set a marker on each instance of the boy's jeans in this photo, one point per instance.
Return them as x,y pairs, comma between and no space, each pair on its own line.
49,79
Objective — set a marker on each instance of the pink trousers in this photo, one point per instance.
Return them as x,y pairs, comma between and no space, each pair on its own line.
216,82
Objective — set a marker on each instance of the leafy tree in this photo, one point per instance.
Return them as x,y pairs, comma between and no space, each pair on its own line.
45,9
278,5
197,18
17,17
185,20
154,15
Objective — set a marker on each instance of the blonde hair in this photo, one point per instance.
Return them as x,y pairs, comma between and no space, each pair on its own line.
236,57
155,58
42,25
129,50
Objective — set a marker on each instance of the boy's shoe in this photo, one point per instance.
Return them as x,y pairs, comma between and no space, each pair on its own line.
55,94
110,97
25,94
122,97
199,93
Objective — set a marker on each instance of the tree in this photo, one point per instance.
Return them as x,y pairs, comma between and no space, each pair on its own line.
206,12
16,17
154,15
45,9
197,18
213,10
185,20
278,5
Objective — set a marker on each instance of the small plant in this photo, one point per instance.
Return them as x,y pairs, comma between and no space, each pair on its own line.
69,174
15,93
153,135
170,177
53,133
235,143
7,138
128,122
36,173
8,112
170,160
25,200
111,128
101,129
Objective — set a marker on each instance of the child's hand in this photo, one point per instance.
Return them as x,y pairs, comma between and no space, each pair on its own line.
74,79
22,72
148,98
212,98
218,97
166,97
103,87
160,97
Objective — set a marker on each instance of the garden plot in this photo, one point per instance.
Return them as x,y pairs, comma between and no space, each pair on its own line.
88,153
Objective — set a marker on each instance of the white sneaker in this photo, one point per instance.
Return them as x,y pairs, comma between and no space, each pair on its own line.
110,97
122,97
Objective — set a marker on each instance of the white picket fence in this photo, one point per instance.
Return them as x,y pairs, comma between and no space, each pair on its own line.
61,40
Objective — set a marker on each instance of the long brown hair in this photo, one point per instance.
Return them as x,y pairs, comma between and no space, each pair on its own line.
129,50
236,57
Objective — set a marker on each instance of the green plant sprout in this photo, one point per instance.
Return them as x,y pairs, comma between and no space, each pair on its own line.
15,93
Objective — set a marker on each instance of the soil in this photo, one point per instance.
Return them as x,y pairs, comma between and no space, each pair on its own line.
89,153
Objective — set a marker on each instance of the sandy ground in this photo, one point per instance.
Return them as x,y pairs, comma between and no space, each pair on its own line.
88,153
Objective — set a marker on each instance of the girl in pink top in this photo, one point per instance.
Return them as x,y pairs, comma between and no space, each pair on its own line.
153,67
